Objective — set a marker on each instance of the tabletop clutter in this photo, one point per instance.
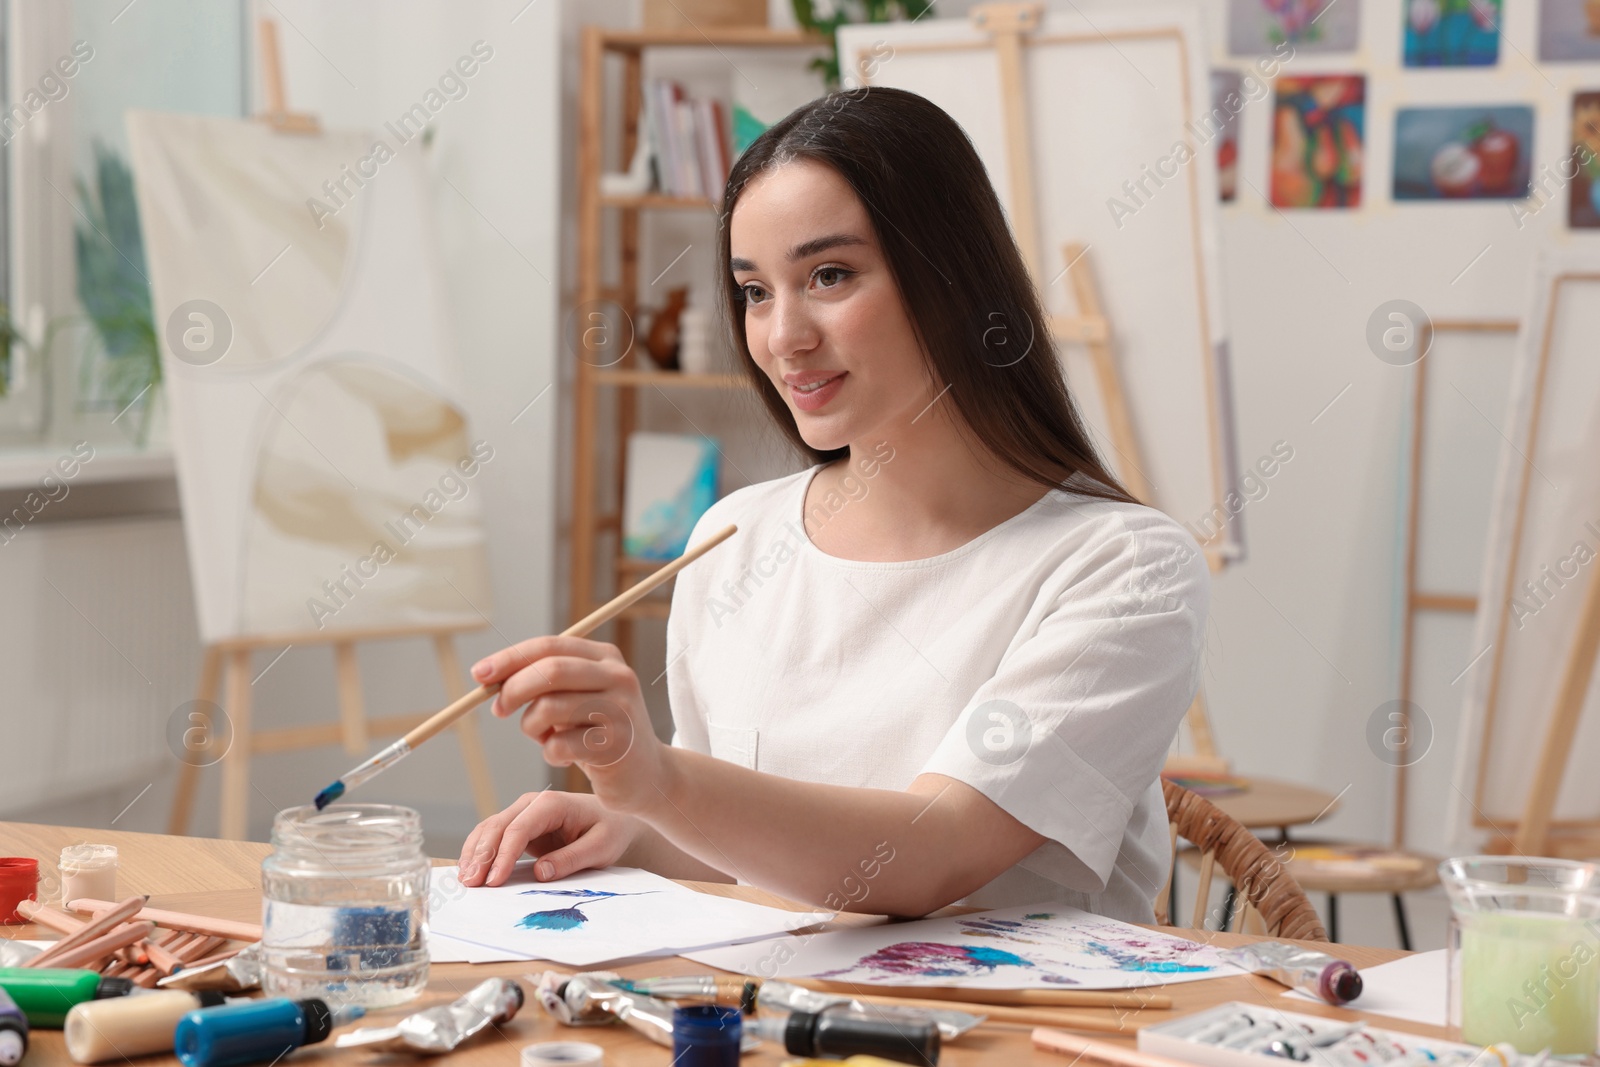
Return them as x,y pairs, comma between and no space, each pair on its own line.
348,897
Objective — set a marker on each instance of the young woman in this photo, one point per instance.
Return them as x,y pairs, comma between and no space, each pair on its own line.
946,661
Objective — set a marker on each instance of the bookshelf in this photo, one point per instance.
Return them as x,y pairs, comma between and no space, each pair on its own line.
599,567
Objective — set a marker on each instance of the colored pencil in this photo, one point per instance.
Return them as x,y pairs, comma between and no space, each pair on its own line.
98,948
178,920
440,720
112,915
1083,1048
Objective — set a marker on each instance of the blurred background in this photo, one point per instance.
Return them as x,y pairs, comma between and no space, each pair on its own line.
244,345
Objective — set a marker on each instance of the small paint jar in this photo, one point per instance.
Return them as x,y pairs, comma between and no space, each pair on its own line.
706,1035
19,881
344,905
88,872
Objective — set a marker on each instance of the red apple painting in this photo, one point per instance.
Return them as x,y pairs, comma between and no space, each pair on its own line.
1462,153
1317,146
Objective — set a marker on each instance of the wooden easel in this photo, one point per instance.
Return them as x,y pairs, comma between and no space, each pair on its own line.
1418,600
1007,24
354,729
1538,833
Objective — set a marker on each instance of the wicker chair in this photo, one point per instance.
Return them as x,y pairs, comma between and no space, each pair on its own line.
1264,883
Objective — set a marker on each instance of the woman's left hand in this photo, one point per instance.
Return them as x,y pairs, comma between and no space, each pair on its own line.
583,704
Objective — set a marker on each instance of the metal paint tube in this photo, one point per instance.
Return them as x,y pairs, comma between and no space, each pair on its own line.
589,999
438,1030
240,973
1332,980
788,997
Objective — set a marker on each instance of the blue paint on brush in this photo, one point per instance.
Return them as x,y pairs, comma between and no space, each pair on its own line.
329,795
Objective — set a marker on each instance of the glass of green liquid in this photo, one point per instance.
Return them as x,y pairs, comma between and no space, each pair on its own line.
1524,952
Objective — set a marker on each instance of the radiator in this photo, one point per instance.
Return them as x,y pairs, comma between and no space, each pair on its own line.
98,649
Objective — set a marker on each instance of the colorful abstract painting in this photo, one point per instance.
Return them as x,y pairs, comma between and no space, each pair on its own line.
1462,153
1317,141
1014,948
1583,210
1569,31
1452,33
1259,26
1226,92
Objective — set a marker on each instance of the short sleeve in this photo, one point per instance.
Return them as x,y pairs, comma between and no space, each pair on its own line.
1073,728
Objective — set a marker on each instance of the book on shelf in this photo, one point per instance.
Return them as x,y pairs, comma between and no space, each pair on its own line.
691,142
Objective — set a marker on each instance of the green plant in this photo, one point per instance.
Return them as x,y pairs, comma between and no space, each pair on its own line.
114,288
844,12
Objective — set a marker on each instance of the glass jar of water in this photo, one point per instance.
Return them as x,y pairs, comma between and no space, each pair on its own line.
344,908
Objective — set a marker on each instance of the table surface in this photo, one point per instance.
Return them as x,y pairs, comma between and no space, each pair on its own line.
222,879
1270,803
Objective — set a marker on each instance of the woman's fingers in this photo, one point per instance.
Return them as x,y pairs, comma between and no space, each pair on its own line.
595,849
499,666
542,815
588,730
554,674
484,841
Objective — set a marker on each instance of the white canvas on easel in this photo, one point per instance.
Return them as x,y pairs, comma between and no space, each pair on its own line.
1538,583
1108,101
324,466
329,416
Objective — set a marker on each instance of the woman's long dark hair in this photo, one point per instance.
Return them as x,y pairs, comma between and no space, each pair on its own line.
961,277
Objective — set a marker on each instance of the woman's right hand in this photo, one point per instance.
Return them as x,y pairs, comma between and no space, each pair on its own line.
566,832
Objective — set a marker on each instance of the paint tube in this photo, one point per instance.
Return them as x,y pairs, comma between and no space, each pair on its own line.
435,1031
1333,980
788,997
589,999
17,953
239,973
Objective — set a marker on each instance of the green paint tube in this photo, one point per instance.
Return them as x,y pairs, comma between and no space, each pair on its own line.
46,994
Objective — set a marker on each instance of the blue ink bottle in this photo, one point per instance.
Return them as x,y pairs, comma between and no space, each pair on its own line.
706,1035
256,1031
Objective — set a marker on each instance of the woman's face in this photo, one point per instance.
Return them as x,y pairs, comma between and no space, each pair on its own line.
823,315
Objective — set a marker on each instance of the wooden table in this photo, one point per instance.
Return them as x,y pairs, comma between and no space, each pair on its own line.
222,879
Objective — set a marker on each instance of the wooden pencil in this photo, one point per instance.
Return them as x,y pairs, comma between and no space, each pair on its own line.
112,916
1102,1052
178,920
1102,1022
1021,998
84,955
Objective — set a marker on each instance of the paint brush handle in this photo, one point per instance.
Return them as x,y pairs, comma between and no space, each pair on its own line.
584,626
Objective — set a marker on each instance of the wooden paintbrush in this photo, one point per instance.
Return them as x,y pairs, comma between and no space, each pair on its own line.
439,721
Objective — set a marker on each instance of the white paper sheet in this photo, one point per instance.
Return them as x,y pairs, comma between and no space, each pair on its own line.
591,918
1042,947
1410,988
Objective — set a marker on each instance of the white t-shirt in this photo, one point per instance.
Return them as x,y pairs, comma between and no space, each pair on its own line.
1046,663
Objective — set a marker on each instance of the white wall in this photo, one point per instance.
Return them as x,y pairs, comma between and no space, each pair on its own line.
498,181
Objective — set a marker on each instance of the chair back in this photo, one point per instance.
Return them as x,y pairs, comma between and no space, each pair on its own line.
1264,884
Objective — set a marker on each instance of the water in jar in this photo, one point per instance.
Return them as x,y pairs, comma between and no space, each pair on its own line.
345,905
